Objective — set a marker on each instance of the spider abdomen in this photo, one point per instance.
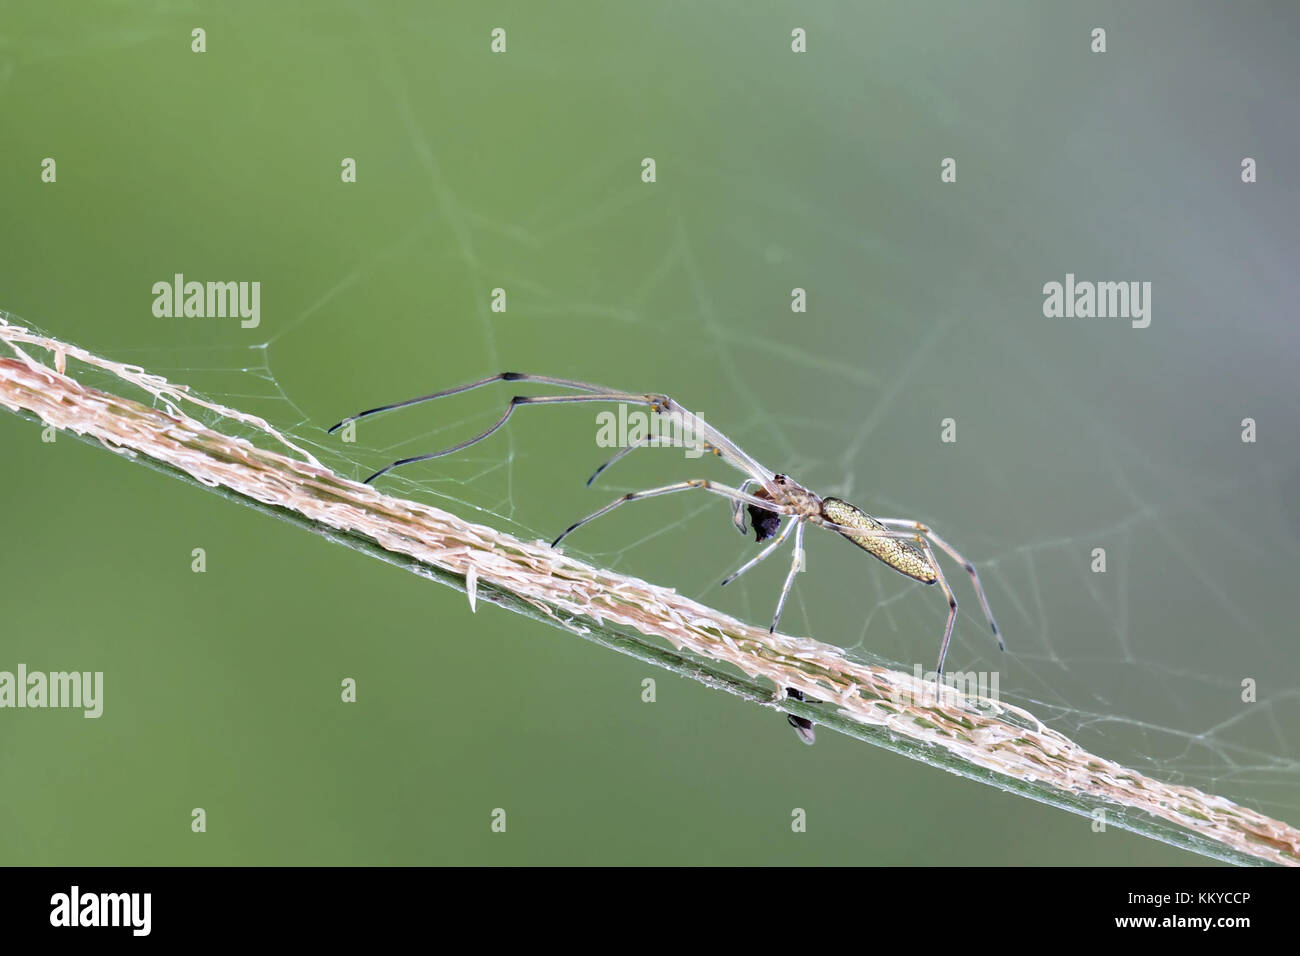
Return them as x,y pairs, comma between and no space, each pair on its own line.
895,552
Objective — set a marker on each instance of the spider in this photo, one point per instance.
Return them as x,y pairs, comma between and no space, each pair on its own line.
768,498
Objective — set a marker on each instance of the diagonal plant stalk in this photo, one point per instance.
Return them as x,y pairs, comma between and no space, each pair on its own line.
975,737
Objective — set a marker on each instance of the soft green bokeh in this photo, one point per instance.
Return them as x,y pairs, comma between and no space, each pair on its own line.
775,171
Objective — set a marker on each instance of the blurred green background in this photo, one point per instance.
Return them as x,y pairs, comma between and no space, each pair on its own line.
775,170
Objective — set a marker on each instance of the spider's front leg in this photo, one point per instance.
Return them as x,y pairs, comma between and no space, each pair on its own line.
796,565
725,491
738,507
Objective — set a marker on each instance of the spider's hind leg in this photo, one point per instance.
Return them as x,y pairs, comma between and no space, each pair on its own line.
956,556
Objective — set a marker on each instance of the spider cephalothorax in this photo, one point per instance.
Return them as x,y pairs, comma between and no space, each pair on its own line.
790,497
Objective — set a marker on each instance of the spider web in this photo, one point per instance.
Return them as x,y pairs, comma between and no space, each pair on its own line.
1070,437
1078,658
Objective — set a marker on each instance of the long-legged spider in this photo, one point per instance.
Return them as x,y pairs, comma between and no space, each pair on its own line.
769,499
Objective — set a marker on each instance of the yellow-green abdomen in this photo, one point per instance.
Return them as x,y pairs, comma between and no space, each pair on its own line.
895,552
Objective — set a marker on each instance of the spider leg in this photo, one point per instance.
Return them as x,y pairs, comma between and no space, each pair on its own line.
515,402
776,543
862,532
707,485
705,434
952,601
649,441
619,454
500,377
738,512
789,578
956,556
